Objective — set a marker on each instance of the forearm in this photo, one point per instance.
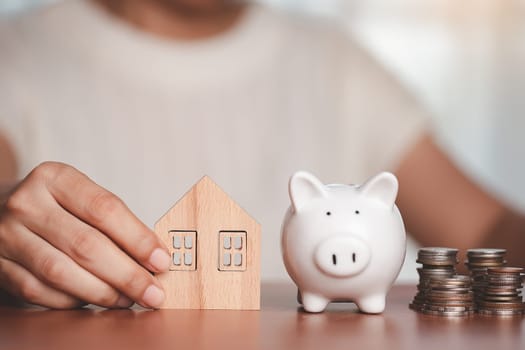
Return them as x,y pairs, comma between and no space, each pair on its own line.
509,233
9,166
8,169
442,207
6,187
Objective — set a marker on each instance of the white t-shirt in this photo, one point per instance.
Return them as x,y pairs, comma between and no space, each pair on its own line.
147,117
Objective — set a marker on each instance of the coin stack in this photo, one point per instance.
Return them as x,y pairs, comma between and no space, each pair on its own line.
502,294
450,296
438,263
478,260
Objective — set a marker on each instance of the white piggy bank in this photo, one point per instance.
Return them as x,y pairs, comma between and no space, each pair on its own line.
343,242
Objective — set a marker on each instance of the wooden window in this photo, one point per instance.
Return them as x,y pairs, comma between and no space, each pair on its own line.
183,250
232,251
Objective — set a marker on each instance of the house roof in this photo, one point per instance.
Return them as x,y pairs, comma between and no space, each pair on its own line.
207,210
209,196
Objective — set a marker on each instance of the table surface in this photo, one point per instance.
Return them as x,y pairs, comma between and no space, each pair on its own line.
281,324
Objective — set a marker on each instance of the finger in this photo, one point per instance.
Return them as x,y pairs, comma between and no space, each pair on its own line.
95,252
103,210
22,284
56,269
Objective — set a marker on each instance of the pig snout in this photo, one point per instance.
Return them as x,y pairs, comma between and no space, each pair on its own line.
342,256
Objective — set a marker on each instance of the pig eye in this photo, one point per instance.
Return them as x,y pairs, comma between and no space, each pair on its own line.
328,213
357,211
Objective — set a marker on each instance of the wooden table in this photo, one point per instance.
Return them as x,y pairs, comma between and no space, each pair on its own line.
279,325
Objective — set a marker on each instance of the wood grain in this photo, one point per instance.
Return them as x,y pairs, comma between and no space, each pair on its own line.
207,209
281,324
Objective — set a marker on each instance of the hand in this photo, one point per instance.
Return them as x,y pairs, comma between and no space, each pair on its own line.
65,241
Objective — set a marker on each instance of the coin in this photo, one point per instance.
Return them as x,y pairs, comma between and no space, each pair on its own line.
441,291
486,252
491,289
501,295
447,313
481,258
501,312
438,251
437,256
506,270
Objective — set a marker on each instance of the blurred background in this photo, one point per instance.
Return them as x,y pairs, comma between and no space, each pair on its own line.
464,60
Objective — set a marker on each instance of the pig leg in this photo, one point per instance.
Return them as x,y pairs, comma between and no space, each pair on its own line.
313,302
372,304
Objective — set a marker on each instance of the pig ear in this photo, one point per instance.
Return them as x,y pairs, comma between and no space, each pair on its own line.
303,187
382,187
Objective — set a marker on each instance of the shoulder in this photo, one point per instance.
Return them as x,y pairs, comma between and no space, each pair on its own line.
324,42
33,46
313,32
34,26
31,37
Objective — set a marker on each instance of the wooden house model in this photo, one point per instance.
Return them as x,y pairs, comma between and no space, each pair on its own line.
215,249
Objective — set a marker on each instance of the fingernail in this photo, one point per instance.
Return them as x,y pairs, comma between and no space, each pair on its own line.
160,260
124,302
153,296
